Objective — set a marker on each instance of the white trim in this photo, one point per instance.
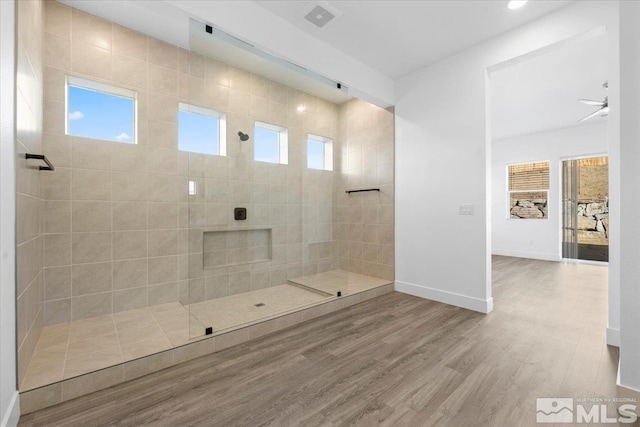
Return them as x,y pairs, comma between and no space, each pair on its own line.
613,336
530,255
222,125
625,387
508,205
464,301
12,415
584,261
9,398
103,88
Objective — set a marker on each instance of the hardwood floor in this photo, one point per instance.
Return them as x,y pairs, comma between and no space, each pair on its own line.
395,360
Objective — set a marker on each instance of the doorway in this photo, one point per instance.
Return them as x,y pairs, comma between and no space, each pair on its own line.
585,209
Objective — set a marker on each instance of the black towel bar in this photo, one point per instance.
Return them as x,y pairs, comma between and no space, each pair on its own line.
42,157
361,191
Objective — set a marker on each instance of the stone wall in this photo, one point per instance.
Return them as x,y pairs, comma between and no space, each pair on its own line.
593,219
528,208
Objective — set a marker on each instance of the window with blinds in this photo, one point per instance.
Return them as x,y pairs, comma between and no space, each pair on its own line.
528,190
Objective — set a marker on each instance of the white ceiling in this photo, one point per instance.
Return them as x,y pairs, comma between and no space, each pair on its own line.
541,94
399,37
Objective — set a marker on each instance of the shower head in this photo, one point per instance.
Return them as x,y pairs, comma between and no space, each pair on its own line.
243,136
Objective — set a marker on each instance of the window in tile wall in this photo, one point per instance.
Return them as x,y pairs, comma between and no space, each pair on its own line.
528,190
201,130
319,152
270,143
100,111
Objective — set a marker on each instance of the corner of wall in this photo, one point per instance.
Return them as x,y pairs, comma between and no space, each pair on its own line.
12,414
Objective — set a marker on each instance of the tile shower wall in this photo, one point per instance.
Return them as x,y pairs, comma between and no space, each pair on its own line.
363,231
29,202
118,220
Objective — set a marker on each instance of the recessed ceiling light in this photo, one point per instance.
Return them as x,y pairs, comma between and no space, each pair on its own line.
516,4
301,108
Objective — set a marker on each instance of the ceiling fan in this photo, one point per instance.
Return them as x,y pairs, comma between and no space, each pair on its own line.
604,106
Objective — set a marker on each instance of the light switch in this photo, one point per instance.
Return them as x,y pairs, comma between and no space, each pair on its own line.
465,209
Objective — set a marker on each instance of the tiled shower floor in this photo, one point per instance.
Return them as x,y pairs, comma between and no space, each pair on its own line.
72,349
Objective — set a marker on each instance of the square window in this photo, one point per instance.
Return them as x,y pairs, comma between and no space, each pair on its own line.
201,130
528,190
100,111
271,143
319,152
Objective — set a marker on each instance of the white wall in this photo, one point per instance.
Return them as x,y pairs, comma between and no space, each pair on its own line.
9,405
629,372
536,238
442,158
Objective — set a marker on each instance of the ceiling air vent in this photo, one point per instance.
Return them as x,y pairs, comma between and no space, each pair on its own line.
319,13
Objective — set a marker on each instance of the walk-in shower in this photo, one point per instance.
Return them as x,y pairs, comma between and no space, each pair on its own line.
225,207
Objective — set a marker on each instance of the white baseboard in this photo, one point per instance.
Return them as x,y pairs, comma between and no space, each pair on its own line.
11,417
626,392
530,255
613,337
459,300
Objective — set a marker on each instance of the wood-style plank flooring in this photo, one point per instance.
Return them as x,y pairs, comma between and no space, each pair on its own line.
396,360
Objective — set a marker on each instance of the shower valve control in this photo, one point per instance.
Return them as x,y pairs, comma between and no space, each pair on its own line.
240,214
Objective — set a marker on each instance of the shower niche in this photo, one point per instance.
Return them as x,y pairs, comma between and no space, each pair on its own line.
226,248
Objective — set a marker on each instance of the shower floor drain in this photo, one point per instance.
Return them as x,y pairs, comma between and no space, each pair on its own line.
260,304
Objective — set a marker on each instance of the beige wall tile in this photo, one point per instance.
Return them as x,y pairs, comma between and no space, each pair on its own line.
90,60
130,43
90,216
162,80
57,52
86,306
57,249
129,244
163,242
57,283
54,87
163,54
91,278
162,107
90,154
129,186
91,247
90,185
163,270
128,158
162,134
162,294
162,215
129,216
130,273
162,188
58,311
129,299
57,18
162,161
58,149
90,29
54,116
216,72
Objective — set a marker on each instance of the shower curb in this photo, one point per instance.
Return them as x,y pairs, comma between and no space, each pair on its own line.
62,391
